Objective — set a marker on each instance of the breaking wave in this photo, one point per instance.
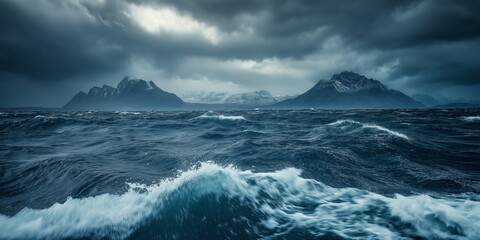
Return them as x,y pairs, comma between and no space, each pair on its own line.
343,123
265,205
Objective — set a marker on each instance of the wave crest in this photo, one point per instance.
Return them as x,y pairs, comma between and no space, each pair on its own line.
212,115
279,204
471,118
348,122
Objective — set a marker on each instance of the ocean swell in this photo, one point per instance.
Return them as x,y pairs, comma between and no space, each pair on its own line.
274,205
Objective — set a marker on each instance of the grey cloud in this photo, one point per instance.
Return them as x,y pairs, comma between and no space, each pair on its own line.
426,43
50,49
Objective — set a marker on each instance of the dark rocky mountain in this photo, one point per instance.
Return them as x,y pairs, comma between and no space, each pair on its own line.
350,90
130,94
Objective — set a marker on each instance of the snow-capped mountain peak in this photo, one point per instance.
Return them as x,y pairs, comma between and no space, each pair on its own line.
131,93
349,82
261,97
129,84
351,90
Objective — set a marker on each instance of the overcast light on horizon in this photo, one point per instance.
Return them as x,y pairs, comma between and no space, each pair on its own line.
50,50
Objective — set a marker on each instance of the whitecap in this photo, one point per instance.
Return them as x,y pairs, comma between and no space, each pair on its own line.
340,122
380,128
279,197
347,122
212,115
253,131
438,218
471,118
223,117
127,112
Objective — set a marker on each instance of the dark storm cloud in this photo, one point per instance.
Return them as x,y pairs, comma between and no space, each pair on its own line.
436,41
375,23
45,48
422,42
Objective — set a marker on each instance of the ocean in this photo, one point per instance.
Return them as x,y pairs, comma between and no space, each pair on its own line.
256,174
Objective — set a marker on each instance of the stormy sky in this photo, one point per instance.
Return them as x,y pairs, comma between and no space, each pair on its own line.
51,49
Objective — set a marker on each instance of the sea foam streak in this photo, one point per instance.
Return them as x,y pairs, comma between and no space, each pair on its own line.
471,118
128,112
211,115
369,126
283,201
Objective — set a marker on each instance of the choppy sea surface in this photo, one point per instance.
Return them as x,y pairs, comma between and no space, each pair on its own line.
267,174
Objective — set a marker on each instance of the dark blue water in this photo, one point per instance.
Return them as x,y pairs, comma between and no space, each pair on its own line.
312,174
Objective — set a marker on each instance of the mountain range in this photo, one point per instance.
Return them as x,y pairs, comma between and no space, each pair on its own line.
130,93
347,90
260,97
343,90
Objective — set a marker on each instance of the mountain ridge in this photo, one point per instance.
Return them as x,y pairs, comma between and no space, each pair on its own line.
347,90
130,94
260,97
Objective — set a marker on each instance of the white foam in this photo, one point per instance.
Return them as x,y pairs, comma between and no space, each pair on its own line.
223,117
212,115
471,118
380,128
438,218
45,117
341,122
78,217
368,126
253,131
133,113
280,197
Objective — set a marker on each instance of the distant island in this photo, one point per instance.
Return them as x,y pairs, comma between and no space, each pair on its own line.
130,94
345,90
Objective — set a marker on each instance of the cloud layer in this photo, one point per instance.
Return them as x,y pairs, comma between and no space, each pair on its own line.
51,49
